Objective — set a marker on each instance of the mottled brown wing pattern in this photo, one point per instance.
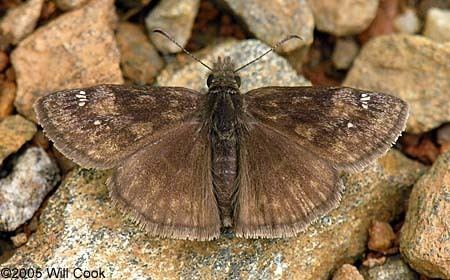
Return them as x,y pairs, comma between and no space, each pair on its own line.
281,187
167,186
102,125
348,127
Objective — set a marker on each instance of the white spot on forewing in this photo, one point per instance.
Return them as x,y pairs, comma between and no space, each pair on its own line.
367,98
81,104
365,106
97,122
82,92
80,96
350,125
364,95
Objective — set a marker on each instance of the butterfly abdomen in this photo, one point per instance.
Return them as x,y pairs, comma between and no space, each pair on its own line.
224,142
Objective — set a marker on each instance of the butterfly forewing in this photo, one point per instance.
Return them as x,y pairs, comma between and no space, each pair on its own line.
102,125
282,187
167,186
346,126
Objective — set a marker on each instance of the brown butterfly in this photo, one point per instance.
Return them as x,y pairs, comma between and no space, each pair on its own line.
265,163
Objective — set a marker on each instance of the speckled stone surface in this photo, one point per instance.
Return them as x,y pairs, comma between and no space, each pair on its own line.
272,23
393,269
77,49
425,238
21,192
271,70
21,21
15,130
80,227
176,18
413,68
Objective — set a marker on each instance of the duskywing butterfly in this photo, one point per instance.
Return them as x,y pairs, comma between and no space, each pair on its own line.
265,163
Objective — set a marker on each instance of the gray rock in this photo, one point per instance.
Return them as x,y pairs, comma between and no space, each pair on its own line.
342,18
393,269
20,21
139,60
425,238
413,68
21,193
271,70
174,17
67,5
14,132
443,134
82,228
437,25
273,22
344,53
77,49
407,22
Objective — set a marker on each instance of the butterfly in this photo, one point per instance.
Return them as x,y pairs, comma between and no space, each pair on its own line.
185,164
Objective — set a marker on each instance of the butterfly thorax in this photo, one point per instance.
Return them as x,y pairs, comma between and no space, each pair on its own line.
224,107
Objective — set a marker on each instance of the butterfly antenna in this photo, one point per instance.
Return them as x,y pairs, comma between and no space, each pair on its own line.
270,50
165,34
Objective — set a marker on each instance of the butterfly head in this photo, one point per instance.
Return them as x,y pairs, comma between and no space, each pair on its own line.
223,74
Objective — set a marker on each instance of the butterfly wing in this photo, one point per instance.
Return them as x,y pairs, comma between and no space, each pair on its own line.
167,186
101,125
281,186
348,127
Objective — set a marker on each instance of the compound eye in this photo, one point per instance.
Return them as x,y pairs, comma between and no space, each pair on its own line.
238,80
209,80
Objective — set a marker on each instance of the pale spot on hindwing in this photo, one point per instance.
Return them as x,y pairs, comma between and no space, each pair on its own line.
350,125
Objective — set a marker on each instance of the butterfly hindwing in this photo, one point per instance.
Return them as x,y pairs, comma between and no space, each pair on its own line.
102,125
348,127
167,186
281,186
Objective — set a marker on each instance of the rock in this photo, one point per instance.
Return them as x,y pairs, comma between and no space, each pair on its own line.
19,239
174,17
381,236
4,61
425,238
437,25
7,96
347,272
383,23
443,134
66,5
342,18
78,49
391,63
14,131
21,21
393,269
344,53
21,193
373,260
139,60
273,22
407,22
81,227
270,70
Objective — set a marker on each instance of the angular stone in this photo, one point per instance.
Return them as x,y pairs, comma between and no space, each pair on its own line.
437,25
66,5
4,61
21,193
381,236
407,22
425,238
14,132
393,269
273,22
7,96
80,226
271,70
342,18
139,60
77,49
174,17
347,272
20,21
413,68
